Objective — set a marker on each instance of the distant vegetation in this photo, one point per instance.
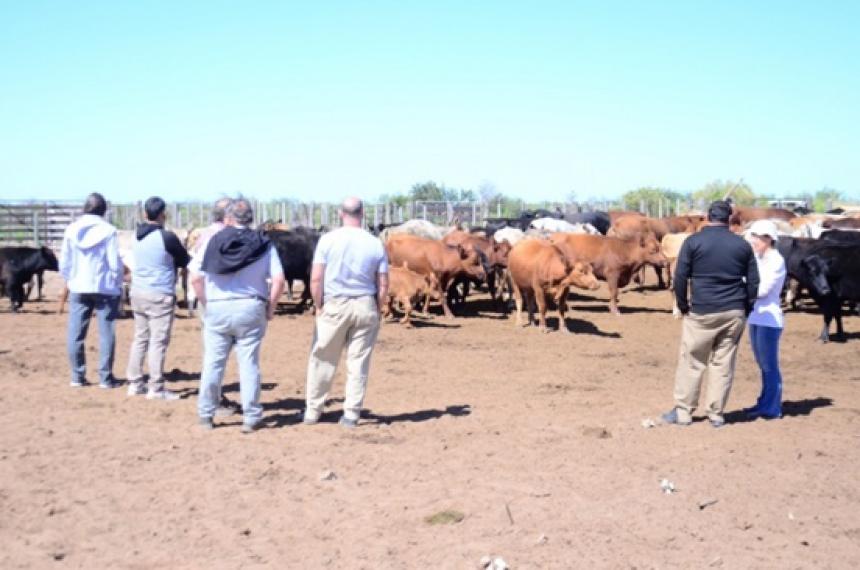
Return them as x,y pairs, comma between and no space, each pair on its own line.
653,198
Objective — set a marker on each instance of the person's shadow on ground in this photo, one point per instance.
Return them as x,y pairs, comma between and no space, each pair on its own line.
790,409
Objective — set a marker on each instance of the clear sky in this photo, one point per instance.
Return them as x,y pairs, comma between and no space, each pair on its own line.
315,100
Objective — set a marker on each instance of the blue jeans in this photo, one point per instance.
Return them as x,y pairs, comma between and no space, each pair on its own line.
239,322
81,307
765,345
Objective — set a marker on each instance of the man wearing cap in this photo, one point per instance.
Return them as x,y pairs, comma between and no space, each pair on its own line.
229,278
158,253
720,267
349,284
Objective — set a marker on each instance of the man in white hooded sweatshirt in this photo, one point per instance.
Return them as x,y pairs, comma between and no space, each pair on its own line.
91,266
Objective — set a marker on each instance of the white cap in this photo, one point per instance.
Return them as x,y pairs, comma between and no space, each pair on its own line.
764,228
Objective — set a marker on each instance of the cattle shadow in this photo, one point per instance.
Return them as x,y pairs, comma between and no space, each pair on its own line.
456,411
480,308
177,375
580,326
624,310
790,409
429,324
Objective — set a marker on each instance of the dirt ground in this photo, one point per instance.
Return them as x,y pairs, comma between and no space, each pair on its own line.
533,442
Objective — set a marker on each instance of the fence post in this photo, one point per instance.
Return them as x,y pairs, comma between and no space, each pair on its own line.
660,208
474,213
36,228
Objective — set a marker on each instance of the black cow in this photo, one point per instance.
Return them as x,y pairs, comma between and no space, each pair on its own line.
829,270
296,250
18,265
600,220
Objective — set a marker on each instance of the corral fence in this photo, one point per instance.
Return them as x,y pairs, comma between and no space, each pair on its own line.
43,222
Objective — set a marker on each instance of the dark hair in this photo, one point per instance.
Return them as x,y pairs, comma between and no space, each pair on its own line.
95,204
154,208
720,211
241,211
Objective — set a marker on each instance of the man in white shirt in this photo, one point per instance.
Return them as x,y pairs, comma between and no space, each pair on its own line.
92,269
349,284
229,278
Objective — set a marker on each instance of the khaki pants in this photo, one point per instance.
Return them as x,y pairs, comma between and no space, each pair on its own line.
708,343
153,320
343,323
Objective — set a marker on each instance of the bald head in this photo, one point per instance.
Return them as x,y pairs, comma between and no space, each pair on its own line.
351,211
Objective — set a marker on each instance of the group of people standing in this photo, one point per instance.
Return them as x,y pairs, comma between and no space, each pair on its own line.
734,281
238,279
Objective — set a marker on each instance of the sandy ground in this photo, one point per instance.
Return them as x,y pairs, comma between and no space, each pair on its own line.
536,440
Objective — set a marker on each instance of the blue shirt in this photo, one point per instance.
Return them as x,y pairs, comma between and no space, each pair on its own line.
247,283
352,259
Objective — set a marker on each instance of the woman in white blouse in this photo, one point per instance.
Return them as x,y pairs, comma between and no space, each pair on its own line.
766,320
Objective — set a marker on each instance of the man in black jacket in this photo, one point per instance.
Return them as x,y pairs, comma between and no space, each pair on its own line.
721,268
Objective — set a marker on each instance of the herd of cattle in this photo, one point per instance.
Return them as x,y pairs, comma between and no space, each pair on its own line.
534,259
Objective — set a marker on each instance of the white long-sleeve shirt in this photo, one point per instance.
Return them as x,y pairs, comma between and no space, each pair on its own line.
89,258
767,311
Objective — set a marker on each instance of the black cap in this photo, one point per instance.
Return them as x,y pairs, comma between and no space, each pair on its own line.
720,211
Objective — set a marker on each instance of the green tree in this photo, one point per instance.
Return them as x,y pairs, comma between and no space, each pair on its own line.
651,196
716,190
428,192
825,197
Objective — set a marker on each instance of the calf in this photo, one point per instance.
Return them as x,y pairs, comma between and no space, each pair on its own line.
540,271
614,260
670,247
407,288
18,265
428,256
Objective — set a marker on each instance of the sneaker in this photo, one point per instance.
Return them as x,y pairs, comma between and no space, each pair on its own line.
348,422
310,419
78,383
135,389
250,428
109,385
205,423
162,395
717,422
672,418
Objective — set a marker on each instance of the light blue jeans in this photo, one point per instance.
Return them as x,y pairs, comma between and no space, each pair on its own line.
239,322
81,308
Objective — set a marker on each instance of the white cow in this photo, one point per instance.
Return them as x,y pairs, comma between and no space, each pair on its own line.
420,228
511,235
553,225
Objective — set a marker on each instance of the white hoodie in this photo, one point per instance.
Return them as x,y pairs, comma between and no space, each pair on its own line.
89,260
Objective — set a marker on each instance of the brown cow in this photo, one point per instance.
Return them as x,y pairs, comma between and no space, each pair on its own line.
614,260
843,224
407,287
615,214
683,224
428,256
632,227
495,255
742,215
538,271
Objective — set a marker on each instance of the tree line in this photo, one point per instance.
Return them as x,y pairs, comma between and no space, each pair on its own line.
651,197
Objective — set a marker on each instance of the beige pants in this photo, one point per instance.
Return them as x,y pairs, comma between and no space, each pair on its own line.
153,320
708,343
343,323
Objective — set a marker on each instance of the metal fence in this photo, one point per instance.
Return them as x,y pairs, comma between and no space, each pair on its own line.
43,222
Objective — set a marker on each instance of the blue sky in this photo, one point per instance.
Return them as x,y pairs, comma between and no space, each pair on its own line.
314,101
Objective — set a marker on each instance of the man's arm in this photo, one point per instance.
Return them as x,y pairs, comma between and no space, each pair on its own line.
175,248
198,282
276,272
682,274
317,276
381,290
66,260
753,280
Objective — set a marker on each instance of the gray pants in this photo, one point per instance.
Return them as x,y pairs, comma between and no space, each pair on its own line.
81,308
350,324
153,321
709,343
239,322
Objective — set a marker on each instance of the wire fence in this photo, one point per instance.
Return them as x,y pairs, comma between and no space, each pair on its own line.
43,222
